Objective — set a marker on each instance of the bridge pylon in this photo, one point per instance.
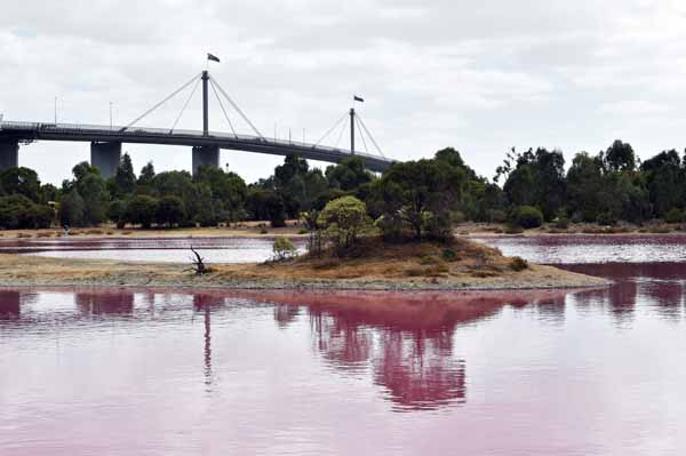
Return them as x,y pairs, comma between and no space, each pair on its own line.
9,153
106,157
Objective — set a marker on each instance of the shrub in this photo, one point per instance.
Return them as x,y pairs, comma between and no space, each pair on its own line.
674,216
527,217
518,264
344,220
283,249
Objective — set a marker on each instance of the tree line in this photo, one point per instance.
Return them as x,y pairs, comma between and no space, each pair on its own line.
419,199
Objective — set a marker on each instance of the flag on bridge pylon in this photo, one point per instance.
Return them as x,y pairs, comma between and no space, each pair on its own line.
356,98
212,57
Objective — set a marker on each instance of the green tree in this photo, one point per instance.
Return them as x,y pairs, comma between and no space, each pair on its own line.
620,157
141,210
92,189
344,220
298,187
146,178
21,181
419,195
49,192
348,175
538,179
18,211
587,187
228,192
124,177
170,211
72,209
665,179
265,204
117,212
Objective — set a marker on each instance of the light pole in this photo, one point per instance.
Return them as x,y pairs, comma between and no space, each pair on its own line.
110,115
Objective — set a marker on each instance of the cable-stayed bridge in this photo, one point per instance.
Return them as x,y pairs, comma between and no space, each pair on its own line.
106,140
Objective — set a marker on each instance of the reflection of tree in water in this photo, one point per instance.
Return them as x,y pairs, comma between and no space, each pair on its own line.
552,310
345,344
119,302
10,305
406,339
284,314
205,303
660,283
665,297
419,371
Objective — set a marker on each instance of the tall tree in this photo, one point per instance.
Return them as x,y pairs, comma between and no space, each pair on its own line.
620,157
124,177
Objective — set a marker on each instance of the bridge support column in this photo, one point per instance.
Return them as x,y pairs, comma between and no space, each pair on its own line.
9,154
106,156
205,156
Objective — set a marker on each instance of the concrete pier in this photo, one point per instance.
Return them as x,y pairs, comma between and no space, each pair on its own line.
105,156
205,156
9,154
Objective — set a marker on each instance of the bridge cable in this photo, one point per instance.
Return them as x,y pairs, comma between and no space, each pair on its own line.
221,105
364,143
195,87
371,137
340,135
235,106
160,103
328,132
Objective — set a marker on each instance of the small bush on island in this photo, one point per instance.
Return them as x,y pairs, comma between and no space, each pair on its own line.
527,217
283,249
518,264
343,220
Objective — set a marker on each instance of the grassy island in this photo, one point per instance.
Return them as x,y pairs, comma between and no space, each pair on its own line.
457,265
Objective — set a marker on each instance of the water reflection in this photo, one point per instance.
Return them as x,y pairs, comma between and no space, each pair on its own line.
10,304
205,303
404,341
108,302
658,286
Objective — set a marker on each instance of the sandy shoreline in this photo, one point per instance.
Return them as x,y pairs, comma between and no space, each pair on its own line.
26,271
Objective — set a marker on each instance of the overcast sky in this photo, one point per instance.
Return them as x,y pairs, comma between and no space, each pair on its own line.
479,75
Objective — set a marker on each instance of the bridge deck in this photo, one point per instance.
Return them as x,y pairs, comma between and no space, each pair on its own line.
33,131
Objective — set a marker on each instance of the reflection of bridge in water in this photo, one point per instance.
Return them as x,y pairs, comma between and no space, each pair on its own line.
106,141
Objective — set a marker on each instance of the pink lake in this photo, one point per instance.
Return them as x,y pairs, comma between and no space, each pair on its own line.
154,372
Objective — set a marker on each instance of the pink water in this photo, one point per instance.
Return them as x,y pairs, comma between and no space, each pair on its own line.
154,372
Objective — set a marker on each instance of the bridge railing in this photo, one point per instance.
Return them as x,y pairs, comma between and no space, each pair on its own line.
116,131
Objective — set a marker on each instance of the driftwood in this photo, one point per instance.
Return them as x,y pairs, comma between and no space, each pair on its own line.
199,266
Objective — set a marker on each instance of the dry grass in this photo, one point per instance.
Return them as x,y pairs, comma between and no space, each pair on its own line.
473,265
